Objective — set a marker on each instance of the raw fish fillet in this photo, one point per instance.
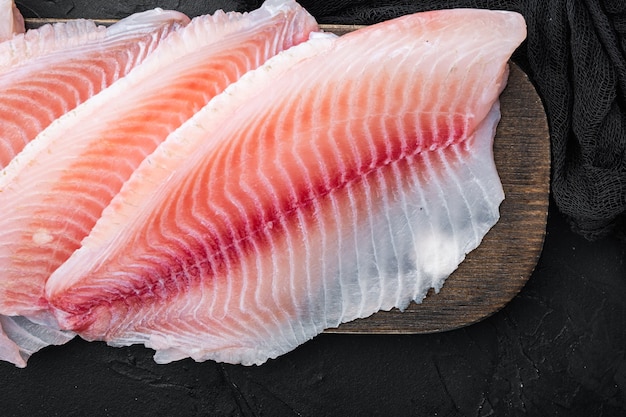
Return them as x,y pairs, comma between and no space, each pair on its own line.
55,190
43,74
11,20
48,39
20,338
34,94
345,176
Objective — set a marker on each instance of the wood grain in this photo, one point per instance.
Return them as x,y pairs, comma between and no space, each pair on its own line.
495,272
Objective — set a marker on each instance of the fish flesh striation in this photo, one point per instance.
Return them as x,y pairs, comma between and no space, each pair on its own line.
55,190
38,93
47,39
34,95
146,182
43,73
343,177
11,20
46,48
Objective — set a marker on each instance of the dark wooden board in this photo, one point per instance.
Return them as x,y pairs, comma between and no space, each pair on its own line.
495,272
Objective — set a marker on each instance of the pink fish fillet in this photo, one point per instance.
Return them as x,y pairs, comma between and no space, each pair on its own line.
44,73
11,20
343,177
48,39
55,190
36,93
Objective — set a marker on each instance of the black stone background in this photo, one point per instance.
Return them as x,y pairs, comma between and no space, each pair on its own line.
558,349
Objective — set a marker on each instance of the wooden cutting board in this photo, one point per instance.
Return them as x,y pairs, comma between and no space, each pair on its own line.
495,272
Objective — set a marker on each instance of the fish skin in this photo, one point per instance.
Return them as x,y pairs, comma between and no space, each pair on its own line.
34,94
249,245
80,162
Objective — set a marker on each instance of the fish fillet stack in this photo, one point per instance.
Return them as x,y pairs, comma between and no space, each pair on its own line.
253,182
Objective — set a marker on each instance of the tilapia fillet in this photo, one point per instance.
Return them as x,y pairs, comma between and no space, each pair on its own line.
11,20
48,39
20,338
79,163
343,177
43,74
39,90
82,160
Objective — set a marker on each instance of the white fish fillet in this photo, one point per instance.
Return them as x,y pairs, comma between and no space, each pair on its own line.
48,39
20,338
39,90
45,73
323,187
82,159
11,20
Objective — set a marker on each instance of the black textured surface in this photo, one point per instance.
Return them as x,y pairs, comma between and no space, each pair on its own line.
558,349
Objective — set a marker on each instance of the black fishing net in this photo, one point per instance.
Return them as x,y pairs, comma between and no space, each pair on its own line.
575,55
